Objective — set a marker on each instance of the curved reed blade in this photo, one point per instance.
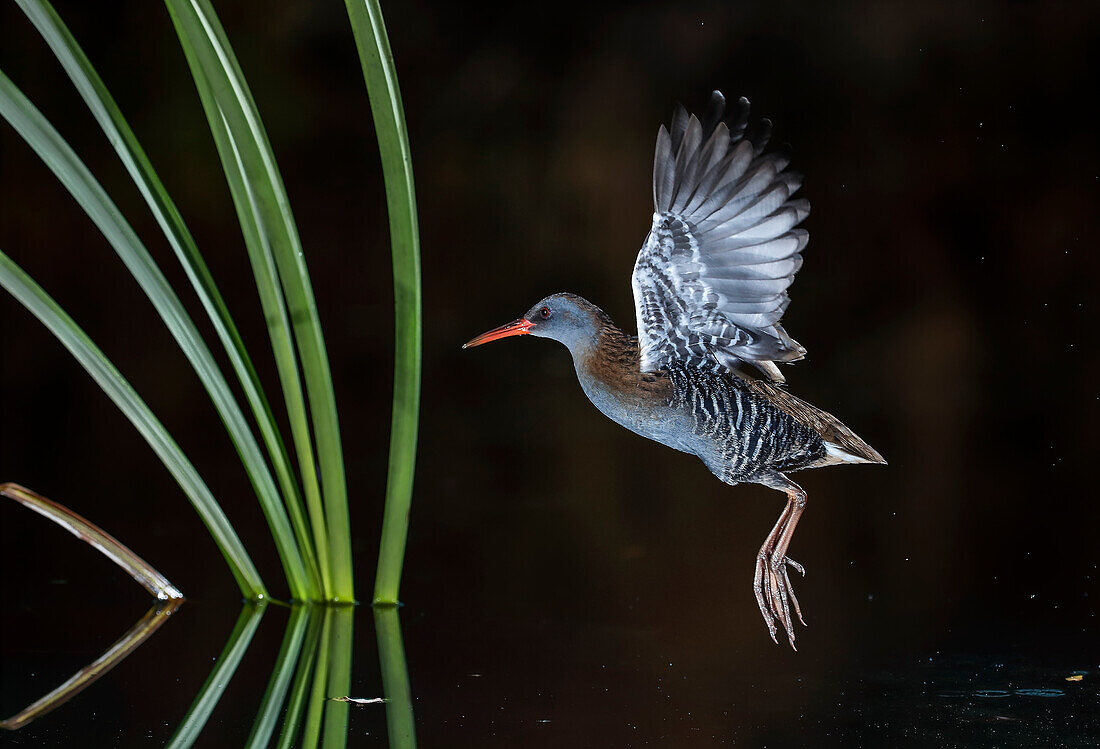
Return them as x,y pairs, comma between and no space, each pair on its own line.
112,656
214,686
214,66
74,175
277,317
103,107
393,143
97,538
88,355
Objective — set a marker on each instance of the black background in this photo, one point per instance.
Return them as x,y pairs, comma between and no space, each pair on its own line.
948,302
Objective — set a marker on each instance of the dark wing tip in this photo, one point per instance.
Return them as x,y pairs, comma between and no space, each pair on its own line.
760,135
738,123
716,108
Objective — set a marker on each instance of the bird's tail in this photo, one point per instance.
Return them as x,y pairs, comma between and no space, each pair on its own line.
842,445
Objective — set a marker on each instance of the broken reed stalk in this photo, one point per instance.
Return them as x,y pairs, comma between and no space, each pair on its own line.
97,538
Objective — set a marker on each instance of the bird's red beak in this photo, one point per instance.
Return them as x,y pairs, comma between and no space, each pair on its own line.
519,327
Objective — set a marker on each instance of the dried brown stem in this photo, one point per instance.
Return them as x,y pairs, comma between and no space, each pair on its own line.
139,569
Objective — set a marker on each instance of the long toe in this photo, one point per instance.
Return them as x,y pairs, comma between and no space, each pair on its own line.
791,595
760,579
779,587
782,598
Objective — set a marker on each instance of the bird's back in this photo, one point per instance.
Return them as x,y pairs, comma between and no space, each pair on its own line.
740,427
741,431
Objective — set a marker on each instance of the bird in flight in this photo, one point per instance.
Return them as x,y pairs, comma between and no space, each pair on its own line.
710,286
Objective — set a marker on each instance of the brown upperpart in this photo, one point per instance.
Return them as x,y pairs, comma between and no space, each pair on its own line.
616,363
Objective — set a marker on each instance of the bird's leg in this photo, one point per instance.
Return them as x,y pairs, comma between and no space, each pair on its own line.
781,582
762,574
772,583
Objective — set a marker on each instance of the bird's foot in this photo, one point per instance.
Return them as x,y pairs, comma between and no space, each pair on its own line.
775,594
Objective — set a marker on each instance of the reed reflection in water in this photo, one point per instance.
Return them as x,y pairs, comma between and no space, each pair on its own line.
306,697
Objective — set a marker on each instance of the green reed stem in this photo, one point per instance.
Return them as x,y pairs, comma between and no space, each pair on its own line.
393,143
103,107
89,356
56,153
208,51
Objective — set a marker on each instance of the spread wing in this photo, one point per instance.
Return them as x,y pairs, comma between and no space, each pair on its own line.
710,283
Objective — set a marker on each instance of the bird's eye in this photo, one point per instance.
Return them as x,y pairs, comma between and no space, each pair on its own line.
544,313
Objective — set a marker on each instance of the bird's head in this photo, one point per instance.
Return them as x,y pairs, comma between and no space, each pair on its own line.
567,318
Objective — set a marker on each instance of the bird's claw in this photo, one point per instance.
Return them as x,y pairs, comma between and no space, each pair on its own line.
775,594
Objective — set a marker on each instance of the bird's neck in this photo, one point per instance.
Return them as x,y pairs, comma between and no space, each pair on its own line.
610,362
597,341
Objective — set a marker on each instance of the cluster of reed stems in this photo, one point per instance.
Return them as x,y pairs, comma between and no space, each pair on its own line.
300,483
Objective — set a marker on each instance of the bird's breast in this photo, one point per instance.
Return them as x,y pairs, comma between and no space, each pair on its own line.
641,402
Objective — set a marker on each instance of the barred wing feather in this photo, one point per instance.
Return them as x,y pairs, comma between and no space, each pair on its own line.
710,283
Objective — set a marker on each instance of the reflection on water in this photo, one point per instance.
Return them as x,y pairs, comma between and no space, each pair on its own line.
484,677
224,667
85,677
307,689
307,692
395,678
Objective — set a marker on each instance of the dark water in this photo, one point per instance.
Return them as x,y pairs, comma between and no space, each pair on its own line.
603,677
568,583
525,667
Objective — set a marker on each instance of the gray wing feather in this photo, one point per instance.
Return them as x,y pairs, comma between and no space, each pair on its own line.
710,283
